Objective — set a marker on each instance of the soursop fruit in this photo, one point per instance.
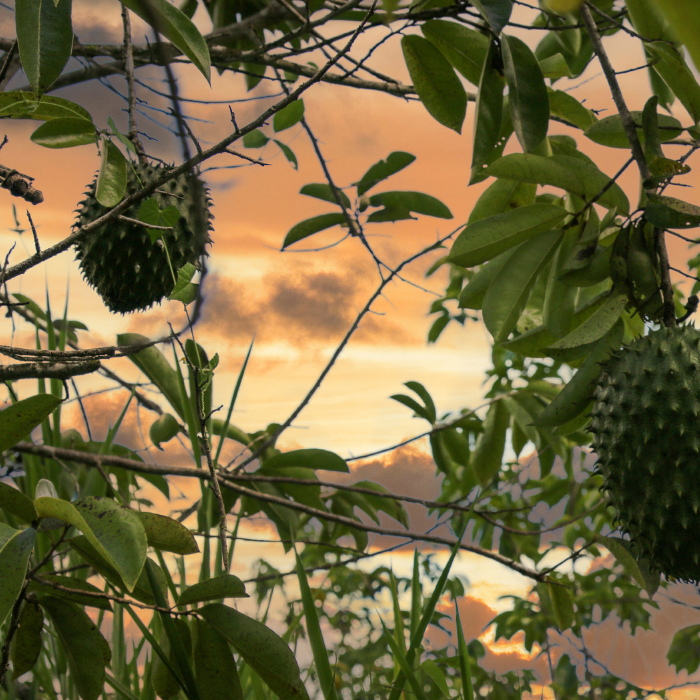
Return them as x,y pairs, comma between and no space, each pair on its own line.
119,260
646,427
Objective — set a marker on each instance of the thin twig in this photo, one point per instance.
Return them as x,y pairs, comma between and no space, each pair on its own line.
133,133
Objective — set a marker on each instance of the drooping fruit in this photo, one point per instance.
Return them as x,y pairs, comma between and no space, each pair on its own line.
119,260
646,426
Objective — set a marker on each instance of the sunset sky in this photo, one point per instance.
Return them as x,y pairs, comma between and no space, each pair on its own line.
299,305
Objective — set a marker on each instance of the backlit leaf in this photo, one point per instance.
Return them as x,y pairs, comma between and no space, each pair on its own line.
65,132
308,227
610,132
322,190
288,116
415,202
255,139
26,105
309,458
394,163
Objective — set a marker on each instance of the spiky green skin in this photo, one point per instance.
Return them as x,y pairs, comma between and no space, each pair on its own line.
646,427
127,270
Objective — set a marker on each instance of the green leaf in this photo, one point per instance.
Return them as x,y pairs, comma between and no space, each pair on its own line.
486,459
214,665
44,38
684,652
416,202
495,12
164,429
25,105
565,172
19,419
14,558
167,534
75,584
486,238
114,531
175,26
224,586
685,23
671,66
563,105
323,191
111,180
619,548
308,227
395,162
255,139
82,643
288,116
527,93
555,67
26,644
13,500
669,212
310,459
65,132
463,47
500,196
406,669
121,137
263,650
610,132
562,605
507,296
288,154
434,79
185,290
472,296
153,364
464,660
596,326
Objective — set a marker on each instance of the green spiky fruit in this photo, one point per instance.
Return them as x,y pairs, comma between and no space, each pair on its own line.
119,260
645,422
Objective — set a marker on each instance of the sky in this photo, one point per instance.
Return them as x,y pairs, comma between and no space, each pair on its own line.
299,305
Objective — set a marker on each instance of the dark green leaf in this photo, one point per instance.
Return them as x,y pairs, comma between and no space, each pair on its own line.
562,605
26,644
26,105
167,534
434,79
214,665
255,139
14,557
669,212
472,296
495,12
224,586
672,67
555,67
65,132
684,652
463,47
500,196
75,585
565,106
164,429
176,26
288,116
308,458
288,154
527,93
620,549
44,38
19,419
14,501
111,180
610,132
308,227
394,162
487,456
486,238
324,192
416,202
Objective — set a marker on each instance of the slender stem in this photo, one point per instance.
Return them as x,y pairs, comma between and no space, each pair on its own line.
133,134
666,286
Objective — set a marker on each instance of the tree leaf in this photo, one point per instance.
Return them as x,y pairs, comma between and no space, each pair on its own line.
669,212
487,456
79,640
111,180
322,190
66,132
44,39
565,172
26,644
507,296
555,67
684,652
13,500
14,558
416,202
472,296
610,132
288,116
19,419
177,27
501,195
255,139
214,665
185,290
395,162
75,584
685,23
671,66
463,47
495,12
26,105
434,79
288,154
223,586
562,605
264,651
114,531
619,548
527,93
164,429
308,227
486,238
308,458
565,106
167,534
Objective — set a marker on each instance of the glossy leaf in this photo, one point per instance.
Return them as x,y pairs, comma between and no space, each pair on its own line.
486,238
414,202
507,295
394,163
19,419
288,116
26,105
487,456
175,26
308,227
44,39
610,132
570,174
65,132
463,47
26,644
214,665
75,585
669,212
311,458
322,190
562,605
434,79
527,93
14,558
223,586
167,534
263,650
111,180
